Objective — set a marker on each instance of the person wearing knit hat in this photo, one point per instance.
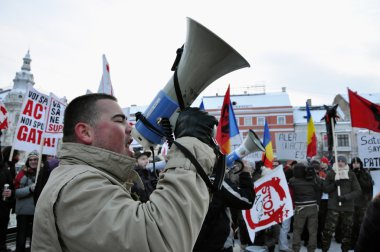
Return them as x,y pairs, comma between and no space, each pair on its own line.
25,185
340,205
342,159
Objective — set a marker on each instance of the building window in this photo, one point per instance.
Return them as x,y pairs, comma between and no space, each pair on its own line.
247,121
343,140
281,120
260,121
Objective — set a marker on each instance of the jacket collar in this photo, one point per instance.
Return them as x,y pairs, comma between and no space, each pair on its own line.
117,165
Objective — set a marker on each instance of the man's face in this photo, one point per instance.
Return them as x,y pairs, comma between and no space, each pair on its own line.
112,131
341,164
143,161
33,162
356,165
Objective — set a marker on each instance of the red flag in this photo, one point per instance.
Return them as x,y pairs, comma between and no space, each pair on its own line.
223,130
3,116
364,114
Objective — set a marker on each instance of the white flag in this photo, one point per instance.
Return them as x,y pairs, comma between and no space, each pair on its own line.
273,203
105,86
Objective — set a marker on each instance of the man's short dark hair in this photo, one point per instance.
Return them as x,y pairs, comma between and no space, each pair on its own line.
82,109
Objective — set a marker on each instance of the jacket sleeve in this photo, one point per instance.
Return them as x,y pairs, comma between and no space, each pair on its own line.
328,185
365,181
239,197
21,191
356,190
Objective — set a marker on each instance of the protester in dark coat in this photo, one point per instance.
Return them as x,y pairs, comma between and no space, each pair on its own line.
5,203
149,179
306,188
11,166
340,176
368,240
361,203
216,233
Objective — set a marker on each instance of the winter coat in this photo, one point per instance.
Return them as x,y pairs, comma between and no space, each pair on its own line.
305,191
217,225
85,207
370,229
349,189
24,194
366,184
6,178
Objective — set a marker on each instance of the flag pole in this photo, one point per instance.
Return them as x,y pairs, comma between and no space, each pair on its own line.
336,157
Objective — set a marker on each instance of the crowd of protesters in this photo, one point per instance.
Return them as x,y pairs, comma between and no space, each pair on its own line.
319,212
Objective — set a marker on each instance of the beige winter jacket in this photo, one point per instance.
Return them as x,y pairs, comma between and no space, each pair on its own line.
84,206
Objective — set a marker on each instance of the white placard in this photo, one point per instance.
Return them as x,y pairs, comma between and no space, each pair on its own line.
291,146
369,149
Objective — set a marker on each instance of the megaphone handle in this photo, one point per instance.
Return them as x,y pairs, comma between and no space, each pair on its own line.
174,68
178,92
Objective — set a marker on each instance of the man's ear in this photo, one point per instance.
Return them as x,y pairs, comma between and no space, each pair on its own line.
84,133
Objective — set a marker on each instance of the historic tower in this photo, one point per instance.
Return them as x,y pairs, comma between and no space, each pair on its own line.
13,100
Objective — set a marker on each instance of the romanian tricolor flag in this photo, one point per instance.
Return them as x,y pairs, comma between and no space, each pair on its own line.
311,137
228,131
268,154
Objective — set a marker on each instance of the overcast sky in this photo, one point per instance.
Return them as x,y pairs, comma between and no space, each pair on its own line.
314,48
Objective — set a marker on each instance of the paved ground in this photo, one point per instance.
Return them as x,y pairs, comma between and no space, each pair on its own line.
335,247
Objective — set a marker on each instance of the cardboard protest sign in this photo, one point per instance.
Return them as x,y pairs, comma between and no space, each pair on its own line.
30,128
369,149
273,203
291,146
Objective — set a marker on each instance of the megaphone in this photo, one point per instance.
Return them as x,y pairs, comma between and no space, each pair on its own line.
250,144
205,57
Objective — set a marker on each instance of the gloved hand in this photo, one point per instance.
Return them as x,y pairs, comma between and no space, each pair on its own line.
342,198
196,123
32,187
154,182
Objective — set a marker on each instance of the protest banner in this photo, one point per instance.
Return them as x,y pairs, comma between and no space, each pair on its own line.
369,149
291,146
29,134
273,203
54,118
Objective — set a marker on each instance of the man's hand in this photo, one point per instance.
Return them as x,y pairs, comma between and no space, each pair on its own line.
196,123
154,182
7,193
342,198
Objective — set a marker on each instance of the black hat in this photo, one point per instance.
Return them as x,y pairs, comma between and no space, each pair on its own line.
141,153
